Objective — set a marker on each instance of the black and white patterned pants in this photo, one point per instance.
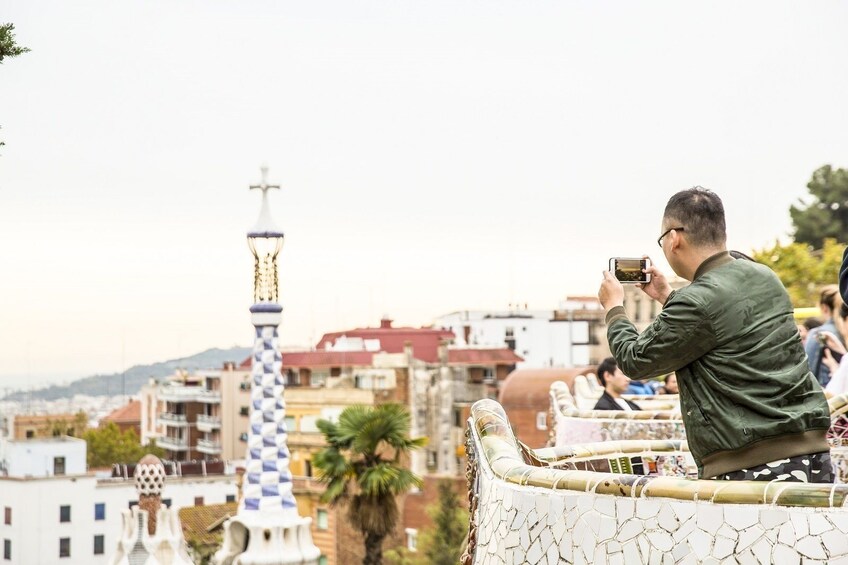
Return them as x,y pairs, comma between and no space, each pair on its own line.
813,468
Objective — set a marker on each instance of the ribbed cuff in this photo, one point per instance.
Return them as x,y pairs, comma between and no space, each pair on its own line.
615,313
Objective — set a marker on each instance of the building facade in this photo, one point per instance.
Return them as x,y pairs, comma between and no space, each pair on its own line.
564,337
50,515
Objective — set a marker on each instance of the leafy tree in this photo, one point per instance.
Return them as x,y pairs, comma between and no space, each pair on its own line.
827,214
443,544
108,445
8,47
362,468
802,270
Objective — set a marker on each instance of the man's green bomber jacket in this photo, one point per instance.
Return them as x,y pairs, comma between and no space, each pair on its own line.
747,395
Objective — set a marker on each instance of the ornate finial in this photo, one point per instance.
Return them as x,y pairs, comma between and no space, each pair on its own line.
149,477
264,186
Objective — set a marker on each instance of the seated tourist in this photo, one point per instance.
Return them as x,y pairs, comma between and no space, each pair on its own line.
640,387
615,384
670,385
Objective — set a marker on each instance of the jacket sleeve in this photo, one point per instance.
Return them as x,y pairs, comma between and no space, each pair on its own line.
679,335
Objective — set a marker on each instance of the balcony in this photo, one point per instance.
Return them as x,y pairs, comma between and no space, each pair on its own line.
208,446
173,420
209,396
179,393
173,443
208,423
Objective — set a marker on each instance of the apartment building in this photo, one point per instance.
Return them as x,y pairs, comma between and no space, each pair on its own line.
52,511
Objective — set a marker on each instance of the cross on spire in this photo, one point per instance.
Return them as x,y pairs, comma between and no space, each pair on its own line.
264,186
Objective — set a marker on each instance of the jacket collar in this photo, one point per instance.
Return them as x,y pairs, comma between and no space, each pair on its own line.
713,262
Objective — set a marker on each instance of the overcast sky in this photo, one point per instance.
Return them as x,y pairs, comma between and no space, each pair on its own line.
434,156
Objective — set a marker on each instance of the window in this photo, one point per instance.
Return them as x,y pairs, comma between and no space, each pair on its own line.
291,424
243,436
244,411
58,465
133,503
322,560
322,521
309,424
457,418
198,501
64,513
166,502
64,547
318,378
244,385
7,549
541,420
30,434
8,517
100,511
412,539
488,375
231,498
98,544
307,468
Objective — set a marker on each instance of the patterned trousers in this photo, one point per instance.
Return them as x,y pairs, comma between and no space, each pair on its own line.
813,468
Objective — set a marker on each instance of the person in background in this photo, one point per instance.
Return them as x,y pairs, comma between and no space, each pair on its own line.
833,355
805,327
615,384
642,388
829,302
670,386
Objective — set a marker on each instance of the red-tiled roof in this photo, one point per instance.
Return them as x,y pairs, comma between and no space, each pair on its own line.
502,356
130,412
425,341
328,358
292,359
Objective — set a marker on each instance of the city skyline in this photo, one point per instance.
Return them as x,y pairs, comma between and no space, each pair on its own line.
432,158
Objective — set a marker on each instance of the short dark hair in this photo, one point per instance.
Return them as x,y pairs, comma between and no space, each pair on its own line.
829,296
608,365
811,323
700,213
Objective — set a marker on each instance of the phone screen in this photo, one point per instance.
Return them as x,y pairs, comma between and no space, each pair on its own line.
630,270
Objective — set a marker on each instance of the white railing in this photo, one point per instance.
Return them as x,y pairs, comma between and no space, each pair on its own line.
173,443
208,446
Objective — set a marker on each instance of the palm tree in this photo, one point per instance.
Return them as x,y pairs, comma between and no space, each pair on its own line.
361,467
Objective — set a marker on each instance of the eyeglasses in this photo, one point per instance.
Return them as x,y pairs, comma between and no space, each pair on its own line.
665,233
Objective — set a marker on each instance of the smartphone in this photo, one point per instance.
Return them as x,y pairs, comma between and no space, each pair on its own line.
629,270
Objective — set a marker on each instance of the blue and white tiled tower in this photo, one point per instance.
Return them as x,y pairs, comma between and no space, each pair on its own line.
267,528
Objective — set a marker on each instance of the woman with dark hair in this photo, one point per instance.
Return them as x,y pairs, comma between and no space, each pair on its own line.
829,303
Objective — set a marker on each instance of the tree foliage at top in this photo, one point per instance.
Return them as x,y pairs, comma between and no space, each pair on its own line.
108,445
441,544
8,46
363,467
827,213
803,270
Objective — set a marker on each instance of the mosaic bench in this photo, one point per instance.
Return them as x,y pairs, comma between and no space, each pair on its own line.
567,504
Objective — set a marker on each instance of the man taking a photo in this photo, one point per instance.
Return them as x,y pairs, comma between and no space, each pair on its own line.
751,407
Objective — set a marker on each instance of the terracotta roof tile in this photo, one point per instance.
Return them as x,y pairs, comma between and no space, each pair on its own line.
501,356
196,521
130,412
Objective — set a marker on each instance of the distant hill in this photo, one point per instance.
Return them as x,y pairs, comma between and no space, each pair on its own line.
135,377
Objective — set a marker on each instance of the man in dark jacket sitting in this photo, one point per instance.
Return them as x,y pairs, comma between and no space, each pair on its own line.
615,383
751,406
